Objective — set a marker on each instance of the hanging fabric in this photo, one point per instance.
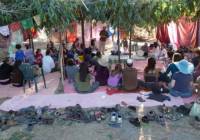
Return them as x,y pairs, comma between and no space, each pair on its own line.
4,30
27,23
15,26
16,38
162,34
37,20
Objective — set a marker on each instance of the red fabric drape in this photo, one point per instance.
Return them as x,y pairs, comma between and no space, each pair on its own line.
187,33
162,34
72,34
32,32
15,26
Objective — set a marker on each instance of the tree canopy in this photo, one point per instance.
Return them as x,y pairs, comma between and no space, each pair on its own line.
123,13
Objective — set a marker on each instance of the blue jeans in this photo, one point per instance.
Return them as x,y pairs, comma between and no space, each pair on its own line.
93,87
176,93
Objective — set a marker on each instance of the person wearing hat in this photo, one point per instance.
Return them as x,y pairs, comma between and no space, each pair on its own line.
102,72
182,81
129,76
5,70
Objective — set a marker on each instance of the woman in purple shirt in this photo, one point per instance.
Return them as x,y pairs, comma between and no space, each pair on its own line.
115,76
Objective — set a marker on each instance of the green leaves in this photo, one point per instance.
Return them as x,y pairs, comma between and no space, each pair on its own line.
123,13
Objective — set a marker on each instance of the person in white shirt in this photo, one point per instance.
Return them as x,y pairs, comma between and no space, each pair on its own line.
48,62
163,53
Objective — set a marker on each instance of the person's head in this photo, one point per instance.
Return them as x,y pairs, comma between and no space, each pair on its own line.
48,52
151,63
27,46
118,69
98,54
177,57
17,64
18,46
104,27
70,62
197,52
129,62
6,60
92,43
83,71
38,51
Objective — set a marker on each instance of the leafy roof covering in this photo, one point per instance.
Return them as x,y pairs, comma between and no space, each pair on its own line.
123,13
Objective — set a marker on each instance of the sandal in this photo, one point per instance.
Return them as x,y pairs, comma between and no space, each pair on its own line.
151,116
135,121
145,119
161,120
132,108
140,99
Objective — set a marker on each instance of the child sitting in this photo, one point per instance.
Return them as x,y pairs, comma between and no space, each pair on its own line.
115,77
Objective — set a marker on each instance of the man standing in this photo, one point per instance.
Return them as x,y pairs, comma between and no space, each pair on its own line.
103,37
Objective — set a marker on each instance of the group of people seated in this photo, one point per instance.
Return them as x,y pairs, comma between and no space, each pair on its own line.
12,69
88,70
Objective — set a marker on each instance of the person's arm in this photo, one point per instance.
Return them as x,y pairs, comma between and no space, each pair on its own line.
52,64
172,84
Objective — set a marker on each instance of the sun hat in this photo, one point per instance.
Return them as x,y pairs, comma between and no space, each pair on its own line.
103,62
185,67
129,61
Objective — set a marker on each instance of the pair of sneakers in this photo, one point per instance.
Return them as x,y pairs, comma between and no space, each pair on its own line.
115,119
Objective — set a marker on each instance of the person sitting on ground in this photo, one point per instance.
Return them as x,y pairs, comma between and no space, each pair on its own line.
129,77
125,44
19,54
151,74
102,72
29,56
181,84
5,71
93,45
115,77
163,53
48,63
38,57
145,49
84,83
16,75
71,70
172,68
196,59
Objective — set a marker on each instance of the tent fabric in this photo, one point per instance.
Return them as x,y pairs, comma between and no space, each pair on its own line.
4,30
162,34
183,33
27,23
15,26
16,38
187,33
32,32
173,35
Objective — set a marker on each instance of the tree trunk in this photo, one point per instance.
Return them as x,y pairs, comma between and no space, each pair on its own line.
130,38
61,60
83,31
91,28
118,44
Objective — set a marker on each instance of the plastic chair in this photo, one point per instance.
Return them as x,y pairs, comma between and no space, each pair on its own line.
28,75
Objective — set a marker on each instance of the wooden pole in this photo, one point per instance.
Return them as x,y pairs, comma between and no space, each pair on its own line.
61,60
91,28
83,31
130,38
118,44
